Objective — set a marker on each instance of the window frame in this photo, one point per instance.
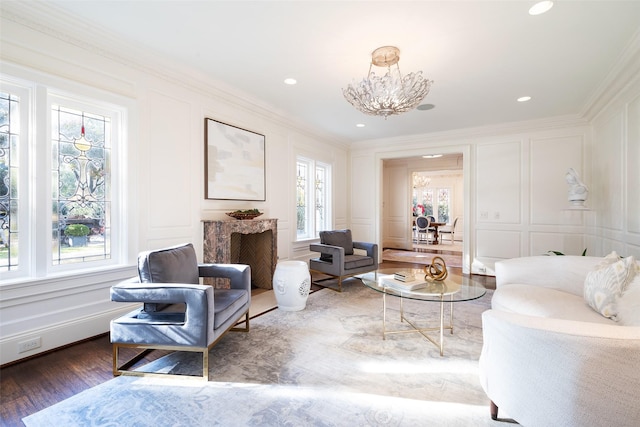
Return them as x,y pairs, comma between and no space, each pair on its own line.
312,228
36,163
25,93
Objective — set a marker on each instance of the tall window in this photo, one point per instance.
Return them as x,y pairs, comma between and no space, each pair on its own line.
313,197
81,199
9,178
56,206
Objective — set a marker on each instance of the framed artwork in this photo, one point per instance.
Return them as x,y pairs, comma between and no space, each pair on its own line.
234,163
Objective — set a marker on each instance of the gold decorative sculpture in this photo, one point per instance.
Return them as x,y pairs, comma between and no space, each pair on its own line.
437,270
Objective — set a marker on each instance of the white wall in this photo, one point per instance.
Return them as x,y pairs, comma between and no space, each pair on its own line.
165,168
516,194
615,180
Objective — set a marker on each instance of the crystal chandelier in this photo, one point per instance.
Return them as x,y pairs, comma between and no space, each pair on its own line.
421,181
391,94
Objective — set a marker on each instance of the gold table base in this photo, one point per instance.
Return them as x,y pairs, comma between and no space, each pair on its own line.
422,331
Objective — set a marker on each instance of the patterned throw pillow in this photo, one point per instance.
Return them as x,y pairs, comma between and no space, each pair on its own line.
603,286
629,303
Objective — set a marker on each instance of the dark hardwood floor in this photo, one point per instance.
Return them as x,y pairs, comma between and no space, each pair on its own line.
31,385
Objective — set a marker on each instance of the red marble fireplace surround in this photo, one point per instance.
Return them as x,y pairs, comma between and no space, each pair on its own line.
253,242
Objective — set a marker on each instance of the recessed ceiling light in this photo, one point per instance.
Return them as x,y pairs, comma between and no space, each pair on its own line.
290,81
541,7
524,99
431,156
425,107
360,125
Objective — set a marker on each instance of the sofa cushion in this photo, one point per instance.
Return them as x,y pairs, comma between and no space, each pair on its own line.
533,300
603,286
340,238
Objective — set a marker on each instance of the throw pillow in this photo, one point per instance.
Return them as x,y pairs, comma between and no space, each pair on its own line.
629,304
608,260
338,238
603,286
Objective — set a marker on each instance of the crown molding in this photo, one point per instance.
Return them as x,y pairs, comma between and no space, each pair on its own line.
623,74
476,133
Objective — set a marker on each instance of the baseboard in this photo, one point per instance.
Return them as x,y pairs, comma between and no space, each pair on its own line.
59,335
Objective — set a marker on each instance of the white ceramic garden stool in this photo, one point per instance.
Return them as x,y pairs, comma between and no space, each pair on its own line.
291,285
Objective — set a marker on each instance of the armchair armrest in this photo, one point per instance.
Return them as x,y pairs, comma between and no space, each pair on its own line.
165,293
371,248
336,252
198,299
239,274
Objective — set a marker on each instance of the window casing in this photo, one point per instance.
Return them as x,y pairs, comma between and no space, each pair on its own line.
63,176
313,198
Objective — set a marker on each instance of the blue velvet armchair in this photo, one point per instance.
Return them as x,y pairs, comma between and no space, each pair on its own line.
338,257
178,313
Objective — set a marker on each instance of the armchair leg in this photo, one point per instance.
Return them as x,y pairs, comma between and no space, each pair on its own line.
493,408
246,324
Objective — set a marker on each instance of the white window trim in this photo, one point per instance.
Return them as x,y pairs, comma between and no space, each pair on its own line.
328,199
35,261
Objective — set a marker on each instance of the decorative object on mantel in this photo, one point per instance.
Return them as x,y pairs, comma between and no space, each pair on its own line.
234,163
246,214
578,192
437,270
391,94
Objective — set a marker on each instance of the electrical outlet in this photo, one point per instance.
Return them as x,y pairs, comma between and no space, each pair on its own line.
496,215
29,345
484,215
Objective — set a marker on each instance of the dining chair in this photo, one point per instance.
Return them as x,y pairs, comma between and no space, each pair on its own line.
449,230
422,229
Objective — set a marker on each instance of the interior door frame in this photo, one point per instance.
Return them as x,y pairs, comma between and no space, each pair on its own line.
467,239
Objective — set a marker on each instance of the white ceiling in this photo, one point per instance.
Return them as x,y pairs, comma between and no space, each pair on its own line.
481,55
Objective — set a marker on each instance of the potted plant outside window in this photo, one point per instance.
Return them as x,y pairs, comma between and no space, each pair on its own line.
77,234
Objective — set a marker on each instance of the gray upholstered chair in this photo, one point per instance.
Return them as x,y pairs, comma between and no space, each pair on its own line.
177,312
338,258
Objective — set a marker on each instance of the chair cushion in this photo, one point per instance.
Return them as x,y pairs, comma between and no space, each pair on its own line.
226,303
176,264
537,301
356,261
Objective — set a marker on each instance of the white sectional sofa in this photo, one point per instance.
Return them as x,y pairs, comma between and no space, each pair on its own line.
549,358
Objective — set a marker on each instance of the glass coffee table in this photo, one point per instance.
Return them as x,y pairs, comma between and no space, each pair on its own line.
455,288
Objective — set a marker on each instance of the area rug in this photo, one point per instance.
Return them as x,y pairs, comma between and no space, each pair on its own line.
420,257
326,365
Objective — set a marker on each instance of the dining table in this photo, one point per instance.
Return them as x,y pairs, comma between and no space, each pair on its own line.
435,226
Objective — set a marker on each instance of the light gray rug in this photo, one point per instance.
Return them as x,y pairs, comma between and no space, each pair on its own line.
324,366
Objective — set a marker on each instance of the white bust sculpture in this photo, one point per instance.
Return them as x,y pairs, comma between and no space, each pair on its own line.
578,192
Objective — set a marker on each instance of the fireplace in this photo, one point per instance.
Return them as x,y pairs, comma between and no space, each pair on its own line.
253,242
